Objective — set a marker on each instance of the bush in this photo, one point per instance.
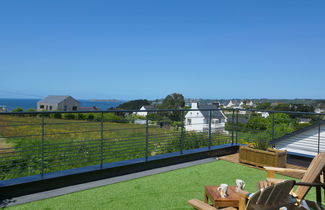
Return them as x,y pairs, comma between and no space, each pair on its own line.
80,116
68,116
90,117
17,110
56,115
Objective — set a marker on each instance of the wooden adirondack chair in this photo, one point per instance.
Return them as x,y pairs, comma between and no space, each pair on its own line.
313,177
270,198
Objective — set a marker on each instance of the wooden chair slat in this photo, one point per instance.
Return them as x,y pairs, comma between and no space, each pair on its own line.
312,175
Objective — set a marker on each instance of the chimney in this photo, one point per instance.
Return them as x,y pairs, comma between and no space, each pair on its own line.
216,104
194,105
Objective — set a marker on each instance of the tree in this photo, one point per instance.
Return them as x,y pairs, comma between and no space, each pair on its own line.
282,107
133,105
17,110
263,106
173,101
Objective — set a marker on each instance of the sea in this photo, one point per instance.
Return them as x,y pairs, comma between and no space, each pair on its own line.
12,103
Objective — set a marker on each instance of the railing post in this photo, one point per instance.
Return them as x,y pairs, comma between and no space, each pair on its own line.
232,126
237,127
210,118
181,141
273,126
42,148
101,140
318,148
147,138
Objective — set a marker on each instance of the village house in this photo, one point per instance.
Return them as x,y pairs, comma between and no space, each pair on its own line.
145,108
59,103
263,114
198,120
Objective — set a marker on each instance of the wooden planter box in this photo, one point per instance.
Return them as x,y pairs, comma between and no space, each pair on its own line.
271,157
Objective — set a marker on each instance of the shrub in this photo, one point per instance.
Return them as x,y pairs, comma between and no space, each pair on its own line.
68,116
90,117
17,110
80,116
56,115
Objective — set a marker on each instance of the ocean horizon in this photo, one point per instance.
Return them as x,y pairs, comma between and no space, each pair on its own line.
31,103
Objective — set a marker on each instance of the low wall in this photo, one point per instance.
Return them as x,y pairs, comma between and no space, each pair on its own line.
33,184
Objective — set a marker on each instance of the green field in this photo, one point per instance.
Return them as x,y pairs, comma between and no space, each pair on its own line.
76,143
170,190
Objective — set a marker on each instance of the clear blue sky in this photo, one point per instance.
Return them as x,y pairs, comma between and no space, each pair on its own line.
148,49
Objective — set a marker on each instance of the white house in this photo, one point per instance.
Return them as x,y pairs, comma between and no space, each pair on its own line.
319,110
60,103
232,104
145,108
198,120
264,114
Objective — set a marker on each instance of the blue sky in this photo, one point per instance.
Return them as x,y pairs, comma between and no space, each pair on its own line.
149,49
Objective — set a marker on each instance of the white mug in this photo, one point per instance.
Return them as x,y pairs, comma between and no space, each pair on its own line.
223,190
240,184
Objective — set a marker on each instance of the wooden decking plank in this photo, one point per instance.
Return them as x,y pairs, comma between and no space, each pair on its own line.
234,158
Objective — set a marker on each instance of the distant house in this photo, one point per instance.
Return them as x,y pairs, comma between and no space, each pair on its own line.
232,104
145,108
319,110
264,114
60,103
198,120
3,108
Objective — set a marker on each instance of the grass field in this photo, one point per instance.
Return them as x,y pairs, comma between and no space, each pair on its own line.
76,143
169,190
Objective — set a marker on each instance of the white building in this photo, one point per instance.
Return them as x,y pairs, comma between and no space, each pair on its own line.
145,108
319,110
264,114
198,120
60,103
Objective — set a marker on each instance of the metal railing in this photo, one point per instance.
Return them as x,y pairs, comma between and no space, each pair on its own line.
38,143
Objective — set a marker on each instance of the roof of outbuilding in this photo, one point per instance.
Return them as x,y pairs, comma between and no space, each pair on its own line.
215,113
53,99
149,107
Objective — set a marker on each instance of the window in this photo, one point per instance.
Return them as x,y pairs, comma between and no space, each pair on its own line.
65,108
50,107
189,121
41,106
74,108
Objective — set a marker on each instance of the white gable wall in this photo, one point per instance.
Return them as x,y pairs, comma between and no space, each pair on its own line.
141,113
194,121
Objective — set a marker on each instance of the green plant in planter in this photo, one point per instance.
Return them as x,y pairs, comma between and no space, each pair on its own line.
262,142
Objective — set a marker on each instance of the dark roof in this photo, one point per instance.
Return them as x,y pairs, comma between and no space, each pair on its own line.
53,99
240,120
215,113
149,107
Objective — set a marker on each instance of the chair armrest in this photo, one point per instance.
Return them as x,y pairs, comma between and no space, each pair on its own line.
274,181
243,194
271,170
200,205
310,184
243,198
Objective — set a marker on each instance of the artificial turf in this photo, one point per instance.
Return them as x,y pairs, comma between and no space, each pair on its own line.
169,190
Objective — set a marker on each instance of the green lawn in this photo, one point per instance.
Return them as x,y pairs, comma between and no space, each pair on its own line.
169,190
